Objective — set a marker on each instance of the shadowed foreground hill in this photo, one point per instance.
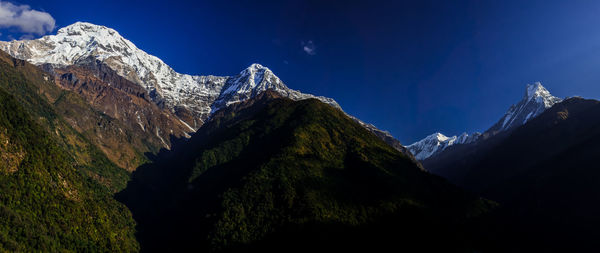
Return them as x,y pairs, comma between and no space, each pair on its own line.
275,174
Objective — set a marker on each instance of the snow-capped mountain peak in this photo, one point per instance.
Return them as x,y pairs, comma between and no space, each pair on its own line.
254,67
537,92
72,43
191,98
85,28
437,142
535,101
430,145
255,79
82,43
439,137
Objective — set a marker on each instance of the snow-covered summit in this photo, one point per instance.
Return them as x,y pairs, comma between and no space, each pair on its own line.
72,44
541,95
84,44
81,43
535,101
254,80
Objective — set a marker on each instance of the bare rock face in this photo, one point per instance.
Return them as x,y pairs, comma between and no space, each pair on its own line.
150,98
133,123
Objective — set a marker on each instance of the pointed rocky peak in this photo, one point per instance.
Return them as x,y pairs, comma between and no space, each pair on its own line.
255,75
541,95
535,101
535,89
250,82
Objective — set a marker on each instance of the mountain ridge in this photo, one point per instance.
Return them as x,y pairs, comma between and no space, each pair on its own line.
276,174
535,101
190,98
82,42
544,174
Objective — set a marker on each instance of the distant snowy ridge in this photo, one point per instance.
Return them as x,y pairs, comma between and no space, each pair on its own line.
437,142
535,101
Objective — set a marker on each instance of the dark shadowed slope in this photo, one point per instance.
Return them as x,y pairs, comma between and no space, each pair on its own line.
536,100
272,173
544,173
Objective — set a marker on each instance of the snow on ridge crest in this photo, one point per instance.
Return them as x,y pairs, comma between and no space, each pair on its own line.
436,142
535,101
86,27
81,42
541,94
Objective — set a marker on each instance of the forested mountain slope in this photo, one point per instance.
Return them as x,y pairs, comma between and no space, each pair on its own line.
275,174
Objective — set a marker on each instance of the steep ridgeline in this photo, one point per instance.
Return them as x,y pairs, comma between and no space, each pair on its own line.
544,174
275,175
81,49
535,101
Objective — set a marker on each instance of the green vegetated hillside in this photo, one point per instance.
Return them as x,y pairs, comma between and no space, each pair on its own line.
55,186
50,106
276,174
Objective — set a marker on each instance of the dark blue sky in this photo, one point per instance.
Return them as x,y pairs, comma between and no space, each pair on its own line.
410,67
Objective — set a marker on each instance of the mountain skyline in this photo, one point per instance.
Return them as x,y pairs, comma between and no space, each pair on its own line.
276,126
133,86
536,100
432,85
190,99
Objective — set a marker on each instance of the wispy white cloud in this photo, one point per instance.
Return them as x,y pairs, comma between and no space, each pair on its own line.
309,47
25,19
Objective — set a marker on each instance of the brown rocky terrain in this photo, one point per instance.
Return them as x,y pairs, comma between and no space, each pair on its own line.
126,123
